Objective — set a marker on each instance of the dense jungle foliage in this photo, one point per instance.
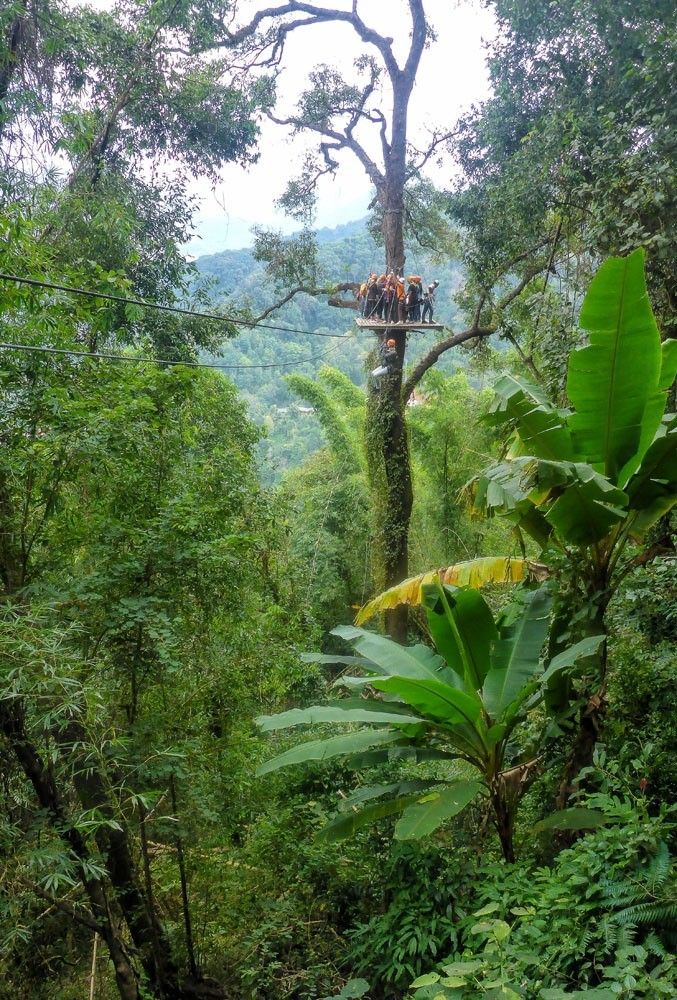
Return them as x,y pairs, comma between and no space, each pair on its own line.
190,559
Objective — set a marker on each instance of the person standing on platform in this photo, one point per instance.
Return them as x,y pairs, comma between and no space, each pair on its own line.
372,297
380,300
429,302
400,305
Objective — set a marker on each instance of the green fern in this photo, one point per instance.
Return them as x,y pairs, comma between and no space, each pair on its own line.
646,899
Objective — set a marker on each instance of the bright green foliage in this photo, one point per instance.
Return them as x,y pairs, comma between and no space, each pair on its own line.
599,921
585,480
552,155
465,700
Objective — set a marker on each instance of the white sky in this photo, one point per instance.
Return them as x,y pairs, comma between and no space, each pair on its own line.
452,76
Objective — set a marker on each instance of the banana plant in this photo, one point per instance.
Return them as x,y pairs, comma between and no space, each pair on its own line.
584,482
456,706
588,479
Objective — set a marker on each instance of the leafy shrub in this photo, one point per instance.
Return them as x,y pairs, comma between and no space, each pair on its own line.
417,921
601,919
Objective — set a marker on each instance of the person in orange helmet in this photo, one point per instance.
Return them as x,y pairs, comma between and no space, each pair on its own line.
389,359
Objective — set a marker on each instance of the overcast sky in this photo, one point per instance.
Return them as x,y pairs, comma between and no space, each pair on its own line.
451,77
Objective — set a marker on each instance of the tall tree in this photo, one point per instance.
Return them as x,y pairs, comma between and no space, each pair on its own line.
579,130
344,116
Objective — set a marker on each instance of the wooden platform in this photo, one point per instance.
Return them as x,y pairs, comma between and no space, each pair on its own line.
380,326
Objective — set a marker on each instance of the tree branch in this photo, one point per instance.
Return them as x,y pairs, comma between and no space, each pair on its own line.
473,331
316,15
85,918
332,291
435,353
438,139
340,140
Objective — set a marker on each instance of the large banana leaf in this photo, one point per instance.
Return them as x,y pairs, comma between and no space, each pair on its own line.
348,710
336,746
368,792
611,380
462,627
472,573
433,698
428,813
515,657
346,824
412,754
653,488
655,408
581,516
540,426
391,658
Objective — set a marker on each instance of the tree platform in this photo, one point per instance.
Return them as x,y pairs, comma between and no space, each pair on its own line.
380,326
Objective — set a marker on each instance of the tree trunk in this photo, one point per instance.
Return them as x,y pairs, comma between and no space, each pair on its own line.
147,932
9,59
504,820
390,471
386,430
591,716
103,909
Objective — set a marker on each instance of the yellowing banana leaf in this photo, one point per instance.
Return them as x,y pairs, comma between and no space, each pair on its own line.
473,573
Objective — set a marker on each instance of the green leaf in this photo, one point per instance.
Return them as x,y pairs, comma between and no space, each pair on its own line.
611,380
462,968
540,426
354,989
462,627
350,710
368,792
330,658
576,818
344,825
429,979
570,656
389,657
653,488
433,698
333,747
515,657
421,819
655,408
583,515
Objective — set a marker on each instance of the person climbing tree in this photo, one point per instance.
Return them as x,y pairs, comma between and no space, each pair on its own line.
388,352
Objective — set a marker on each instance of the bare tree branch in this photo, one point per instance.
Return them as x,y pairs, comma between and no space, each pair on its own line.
332,291
437,351
316,15
437,140
340,140
474,331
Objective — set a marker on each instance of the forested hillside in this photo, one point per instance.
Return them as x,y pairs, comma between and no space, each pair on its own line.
348,253
347,671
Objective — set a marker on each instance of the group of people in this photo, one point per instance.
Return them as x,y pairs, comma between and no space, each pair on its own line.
386,299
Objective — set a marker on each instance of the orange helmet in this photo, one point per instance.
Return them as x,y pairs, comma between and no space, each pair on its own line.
391,343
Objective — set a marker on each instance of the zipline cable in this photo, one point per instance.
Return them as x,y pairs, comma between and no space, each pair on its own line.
74,290
160,361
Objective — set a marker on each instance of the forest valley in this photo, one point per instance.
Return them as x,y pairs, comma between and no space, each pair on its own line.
315,684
